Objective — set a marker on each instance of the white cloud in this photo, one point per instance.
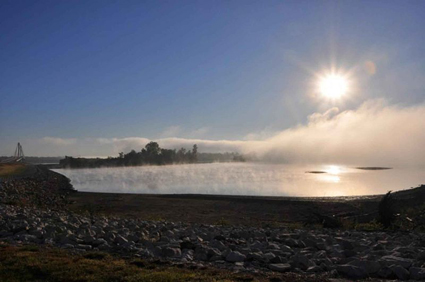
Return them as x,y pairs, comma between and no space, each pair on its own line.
59,141
200,132
171,131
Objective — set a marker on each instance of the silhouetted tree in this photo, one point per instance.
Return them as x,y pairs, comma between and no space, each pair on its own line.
194,157
152,148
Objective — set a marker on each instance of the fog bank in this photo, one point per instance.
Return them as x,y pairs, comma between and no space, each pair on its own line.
374,134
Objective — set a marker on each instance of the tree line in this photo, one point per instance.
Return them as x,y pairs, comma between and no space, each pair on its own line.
151,154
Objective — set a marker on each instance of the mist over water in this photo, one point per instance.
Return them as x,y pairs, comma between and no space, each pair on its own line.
244,179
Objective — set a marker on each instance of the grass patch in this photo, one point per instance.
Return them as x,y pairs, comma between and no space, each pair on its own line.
369,226
96,255
222,222
32,263
8,170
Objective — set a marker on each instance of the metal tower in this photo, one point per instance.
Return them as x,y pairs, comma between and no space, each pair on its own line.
19,153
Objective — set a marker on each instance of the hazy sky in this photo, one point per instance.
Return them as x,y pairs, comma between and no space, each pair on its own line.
94,77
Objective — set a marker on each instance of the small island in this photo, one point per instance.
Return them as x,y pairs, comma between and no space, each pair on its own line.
152,154
373,168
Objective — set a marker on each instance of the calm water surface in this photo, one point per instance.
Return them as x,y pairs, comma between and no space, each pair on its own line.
244,179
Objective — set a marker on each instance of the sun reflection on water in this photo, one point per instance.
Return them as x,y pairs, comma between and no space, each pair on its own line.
333,169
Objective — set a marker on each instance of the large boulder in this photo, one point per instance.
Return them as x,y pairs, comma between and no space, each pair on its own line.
351,271
390,260
417,273
400,272
235,257
280,267
172,252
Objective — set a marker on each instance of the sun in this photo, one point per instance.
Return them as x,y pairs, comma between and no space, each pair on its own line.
333,86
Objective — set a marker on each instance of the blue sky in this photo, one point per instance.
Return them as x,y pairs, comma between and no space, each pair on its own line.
213,70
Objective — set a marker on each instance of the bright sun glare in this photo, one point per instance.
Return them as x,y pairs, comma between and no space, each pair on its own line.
333,86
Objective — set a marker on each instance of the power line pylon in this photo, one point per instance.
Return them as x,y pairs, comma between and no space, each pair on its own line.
19,153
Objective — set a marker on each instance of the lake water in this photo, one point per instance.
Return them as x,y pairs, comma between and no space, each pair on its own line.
244,179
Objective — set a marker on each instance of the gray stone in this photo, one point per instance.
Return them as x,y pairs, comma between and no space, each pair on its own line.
301,261
269,256
417,273
235,257
369,265
286,249
314,269
280,267
345,244
390,260
83,247
99,242
172,252
351,271
385,272
256,256
400,272
120,240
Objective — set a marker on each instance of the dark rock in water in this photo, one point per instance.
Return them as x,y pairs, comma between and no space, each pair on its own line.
373,168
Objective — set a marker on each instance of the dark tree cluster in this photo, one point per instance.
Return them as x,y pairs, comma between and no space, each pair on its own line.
152,154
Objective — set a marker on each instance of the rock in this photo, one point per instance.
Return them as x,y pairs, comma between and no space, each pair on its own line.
120,240
286,249
83,247
88,239
269,256
385,272
349,253
370,266
345,244
314,269
187,255
301,261
351,271
172,252
99,242
291,242
390,260
278,259
272,246
201,253
400,272
220,238
213,252
280,267
257,256
187,245
417,273
235,257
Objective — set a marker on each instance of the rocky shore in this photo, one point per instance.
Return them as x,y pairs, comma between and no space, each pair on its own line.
347,253
45,220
